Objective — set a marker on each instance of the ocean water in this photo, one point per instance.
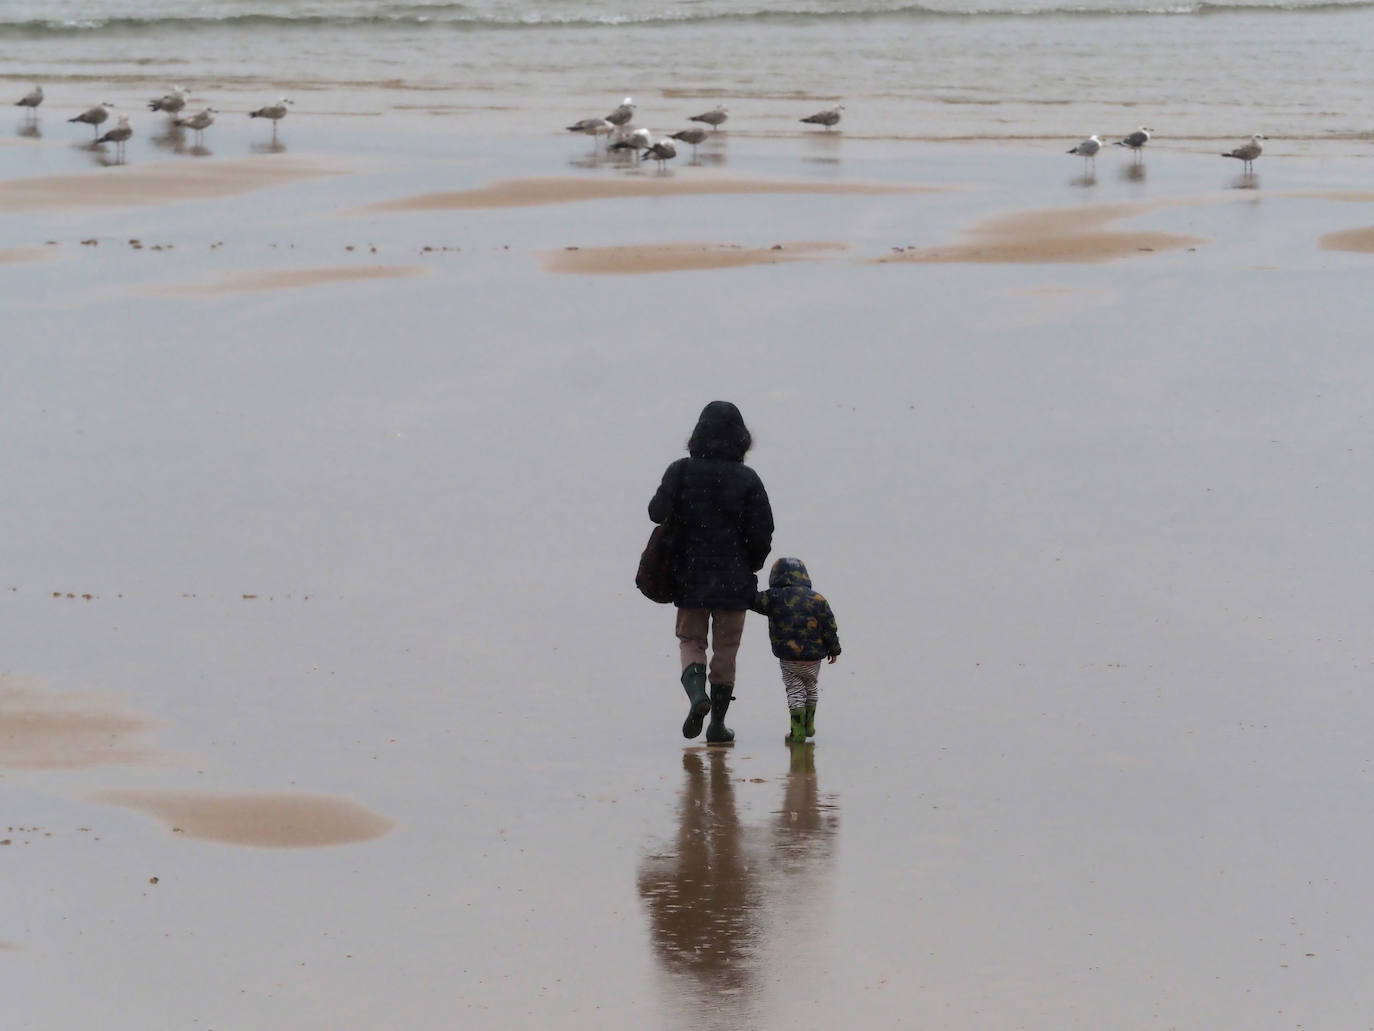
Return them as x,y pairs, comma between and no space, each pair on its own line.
1197,71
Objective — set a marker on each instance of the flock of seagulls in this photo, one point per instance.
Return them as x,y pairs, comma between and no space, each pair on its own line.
1087,149
172,103
621,135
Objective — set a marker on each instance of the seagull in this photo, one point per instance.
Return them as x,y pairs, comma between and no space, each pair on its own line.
715,118
1137,140
276,112
692,135
200,121
593,127
172,103
661,151
94,116
828,118
1247,152
119,135
1088,148
622,114
635,141
31,100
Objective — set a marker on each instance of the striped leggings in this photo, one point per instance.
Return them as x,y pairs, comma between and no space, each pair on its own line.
799,678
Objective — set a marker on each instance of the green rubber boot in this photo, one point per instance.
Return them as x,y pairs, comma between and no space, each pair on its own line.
811,720
694,683
797,736
717,733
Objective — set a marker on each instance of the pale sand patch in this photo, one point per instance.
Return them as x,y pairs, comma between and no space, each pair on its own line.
1344,196
291,278
262,820
9,947
41,730
164,182
15,255
517,193
1058,235
638,259
1361,241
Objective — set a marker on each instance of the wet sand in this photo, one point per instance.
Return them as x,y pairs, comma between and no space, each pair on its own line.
644,259
1360,241
328,701
515,193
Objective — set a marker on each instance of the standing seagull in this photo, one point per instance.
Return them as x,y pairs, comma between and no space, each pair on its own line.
31,100
1247,152
592,127
172,102
1088,149
829,118
200,121
661,151
1137,140
692,136
622,114
714,118
94,116
119,135
276,112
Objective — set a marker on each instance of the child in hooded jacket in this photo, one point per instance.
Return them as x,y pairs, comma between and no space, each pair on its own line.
802,630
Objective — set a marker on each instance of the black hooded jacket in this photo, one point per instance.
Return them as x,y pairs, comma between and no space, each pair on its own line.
722,510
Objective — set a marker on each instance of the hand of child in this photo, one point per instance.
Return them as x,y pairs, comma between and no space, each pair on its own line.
834,659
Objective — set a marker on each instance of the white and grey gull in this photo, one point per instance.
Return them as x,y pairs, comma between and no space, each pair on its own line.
715,118
200,121
94,116
661,151
276,112
1247,152
171,102
622,114
31,100
1088,148
119,136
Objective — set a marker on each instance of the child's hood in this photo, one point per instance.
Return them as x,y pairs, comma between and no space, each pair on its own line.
789,572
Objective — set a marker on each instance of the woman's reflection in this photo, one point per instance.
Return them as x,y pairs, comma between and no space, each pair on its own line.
716,897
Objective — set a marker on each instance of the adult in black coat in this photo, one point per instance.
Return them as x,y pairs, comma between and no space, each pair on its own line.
725,533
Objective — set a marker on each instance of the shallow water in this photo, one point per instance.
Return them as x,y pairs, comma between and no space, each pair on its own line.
975,69
1095,535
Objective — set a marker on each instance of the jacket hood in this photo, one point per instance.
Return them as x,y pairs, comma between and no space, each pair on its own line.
720,433
789,572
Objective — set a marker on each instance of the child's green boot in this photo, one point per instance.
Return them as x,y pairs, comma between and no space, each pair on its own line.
811,720
694,683
797,736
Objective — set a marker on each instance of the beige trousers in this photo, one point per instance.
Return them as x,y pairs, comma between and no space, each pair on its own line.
726,629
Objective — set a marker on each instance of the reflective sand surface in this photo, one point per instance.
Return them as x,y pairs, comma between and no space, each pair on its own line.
1095,532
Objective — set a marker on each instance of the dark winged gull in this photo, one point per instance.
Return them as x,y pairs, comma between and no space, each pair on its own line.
661,151
1247,152
829,118
276,112
94,116
200,121
31,100
1136,141
715,118
691,135
119,135
171,102
1088,148
622,114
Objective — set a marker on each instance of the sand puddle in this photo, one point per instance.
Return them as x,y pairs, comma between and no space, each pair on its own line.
262,820
1059,235
290,279
640,259
60,731
1358,241
164,182
516,193
15,255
